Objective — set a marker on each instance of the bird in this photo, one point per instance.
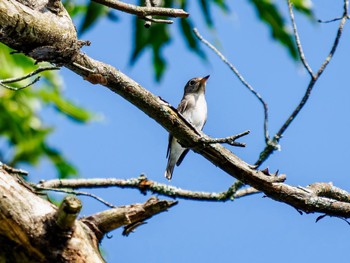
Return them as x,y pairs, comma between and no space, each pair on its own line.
193,108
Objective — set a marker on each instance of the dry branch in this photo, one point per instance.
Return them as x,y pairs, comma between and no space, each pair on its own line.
269,149
111,219
241,79
145,185
142,11
28,228
34,230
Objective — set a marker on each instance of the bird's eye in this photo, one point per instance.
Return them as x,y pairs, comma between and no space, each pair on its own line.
192,82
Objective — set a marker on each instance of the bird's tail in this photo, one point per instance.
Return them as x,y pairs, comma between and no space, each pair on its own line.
169,169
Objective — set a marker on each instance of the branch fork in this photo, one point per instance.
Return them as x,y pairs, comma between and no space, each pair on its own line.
229,140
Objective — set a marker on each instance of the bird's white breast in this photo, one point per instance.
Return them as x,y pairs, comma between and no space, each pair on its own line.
198,114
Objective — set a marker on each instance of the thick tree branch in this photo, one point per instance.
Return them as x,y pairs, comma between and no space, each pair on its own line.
37,32
68,212
29,227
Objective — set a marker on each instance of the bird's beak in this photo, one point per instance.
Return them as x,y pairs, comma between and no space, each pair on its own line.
204,80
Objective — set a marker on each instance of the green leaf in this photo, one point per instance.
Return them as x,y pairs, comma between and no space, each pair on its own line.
65,106
222,4
94,12
74,9
63,167
204,5
305,7
270,15
23,133
156,38
191,40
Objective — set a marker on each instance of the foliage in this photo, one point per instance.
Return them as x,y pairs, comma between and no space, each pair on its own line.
24,135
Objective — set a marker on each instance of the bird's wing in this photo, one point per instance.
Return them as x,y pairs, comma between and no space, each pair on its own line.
184,104
182,157
181,108
169,145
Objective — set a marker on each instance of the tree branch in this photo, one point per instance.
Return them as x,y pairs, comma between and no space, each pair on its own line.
141,11
29,227
33,73
269,149
68,212
111,219
297,40
170,119
229,140
240,77
71,192
145,185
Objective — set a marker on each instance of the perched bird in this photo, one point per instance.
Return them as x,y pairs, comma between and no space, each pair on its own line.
193,107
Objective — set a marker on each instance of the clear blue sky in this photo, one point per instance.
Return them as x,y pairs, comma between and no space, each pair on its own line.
126,143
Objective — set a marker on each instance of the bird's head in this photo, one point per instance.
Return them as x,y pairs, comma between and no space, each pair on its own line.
196,85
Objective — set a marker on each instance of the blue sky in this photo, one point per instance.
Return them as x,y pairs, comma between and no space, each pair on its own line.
125,142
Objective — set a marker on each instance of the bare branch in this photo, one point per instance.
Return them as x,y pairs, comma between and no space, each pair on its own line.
337,38
245,192
229,140
68,212
33,73
141,11
12,170
269,149
156,20
68,191
111,219
150,19
240,77
145,185
297,40
330,191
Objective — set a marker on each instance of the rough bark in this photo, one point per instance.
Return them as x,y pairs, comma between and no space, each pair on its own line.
34,230
29,232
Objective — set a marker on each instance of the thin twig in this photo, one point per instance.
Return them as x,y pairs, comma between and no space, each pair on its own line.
141,11
229,140
240,77
69,191
246,192
19,88
337,38
156,20
269,149
17,79
329,21
297,40
148,23
150,19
